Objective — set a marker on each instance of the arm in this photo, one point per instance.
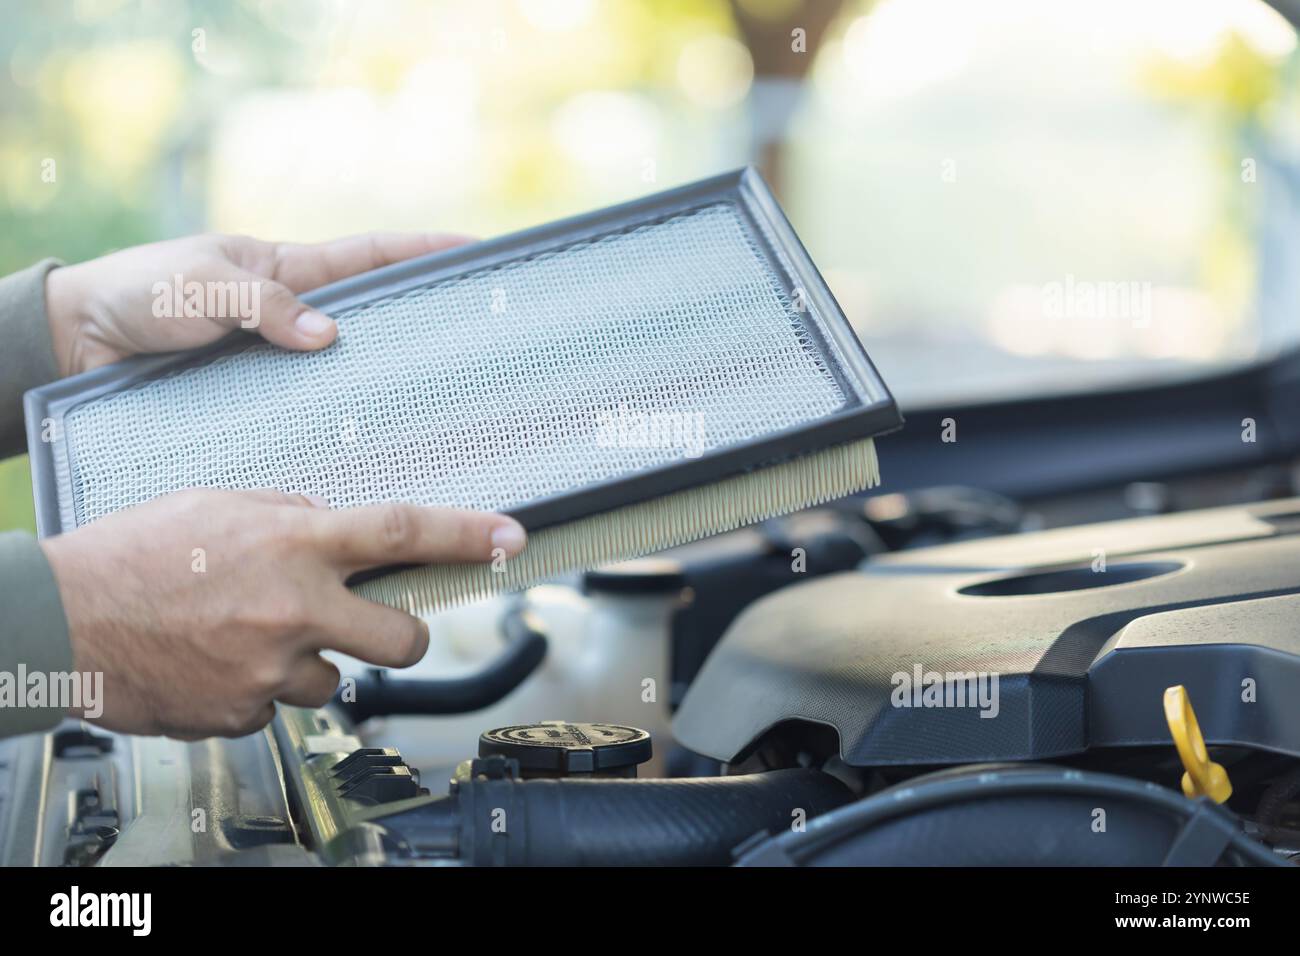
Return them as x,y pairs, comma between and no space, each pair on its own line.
35,631
33,635
26,349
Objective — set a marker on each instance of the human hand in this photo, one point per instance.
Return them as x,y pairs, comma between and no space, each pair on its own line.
201,608
106,309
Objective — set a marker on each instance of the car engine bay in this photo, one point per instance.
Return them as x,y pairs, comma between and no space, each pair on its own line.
943,676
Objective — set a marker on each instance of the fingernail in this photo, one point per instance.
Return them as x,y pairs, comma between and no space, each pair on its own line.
314,324
509,537
318,501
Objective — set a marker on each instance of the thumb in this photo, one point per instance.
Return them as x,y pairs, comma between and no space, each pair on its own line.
278,316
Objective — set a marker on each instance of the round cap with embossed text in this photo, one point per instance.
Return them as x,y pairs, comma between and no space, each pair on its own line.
564,747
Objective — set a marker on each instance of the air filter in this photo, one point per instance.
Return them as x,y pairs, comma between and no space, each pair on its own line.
620,382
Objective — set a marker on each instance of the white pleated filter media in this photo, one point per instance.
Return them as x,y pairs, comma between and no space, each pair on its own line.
513,384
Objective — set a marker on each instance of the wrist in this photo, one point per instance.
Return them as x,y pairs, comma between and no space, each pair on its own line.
58,559
81,662
68,317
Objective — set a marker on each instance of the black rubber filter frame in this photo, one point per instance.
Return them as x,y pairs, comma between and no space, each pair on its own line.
869,411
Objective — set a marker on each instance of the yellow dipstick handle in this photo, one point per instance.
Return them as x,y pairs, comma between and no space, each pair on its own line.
1203,778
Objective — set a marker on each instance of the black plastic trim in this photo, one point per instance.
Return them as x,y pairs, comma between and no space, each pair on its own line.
1044,446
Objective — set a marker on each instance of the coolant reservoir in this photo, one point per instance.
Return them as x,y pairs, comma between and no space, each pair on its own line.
607,662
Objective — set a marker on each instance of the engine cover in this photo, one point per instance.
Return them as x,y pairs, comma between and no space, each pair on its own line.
1025,647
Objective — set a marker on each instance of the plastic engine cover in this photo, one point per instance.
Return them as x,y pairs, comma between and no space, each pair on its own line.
1030,650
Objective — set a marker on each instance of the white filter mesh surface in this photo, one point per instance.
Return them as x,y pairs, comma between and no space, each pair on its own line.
494,389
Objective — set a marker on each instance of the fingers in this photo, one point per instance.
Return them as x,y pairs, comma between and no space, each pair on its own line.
396,533
278,316
311,684
304,267
373,633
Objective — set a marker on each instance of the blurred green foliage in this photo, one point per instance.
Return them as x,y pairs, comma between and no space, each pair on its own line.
16,495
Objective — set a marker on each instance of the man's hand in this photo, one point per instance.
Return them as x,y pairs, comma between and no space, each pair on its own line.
203,607
103,310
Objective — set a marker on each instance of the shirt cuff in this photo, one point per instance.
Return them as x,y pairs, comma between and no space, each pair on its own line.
34,644
27,358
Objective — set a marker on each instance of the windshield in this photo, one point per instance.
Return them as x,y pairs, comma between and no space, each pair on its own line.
1014,197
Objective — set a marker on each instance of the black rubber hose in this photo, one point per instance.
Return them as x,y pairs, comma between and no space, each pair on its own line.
376,694
625,822
949,789
1268,814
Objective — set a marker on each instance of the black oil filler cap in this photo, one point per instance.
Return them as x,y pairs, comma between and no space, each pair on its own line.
560,748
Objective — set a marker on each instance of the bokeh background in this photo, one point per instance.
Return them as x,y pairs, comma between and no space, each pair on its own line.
945,161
